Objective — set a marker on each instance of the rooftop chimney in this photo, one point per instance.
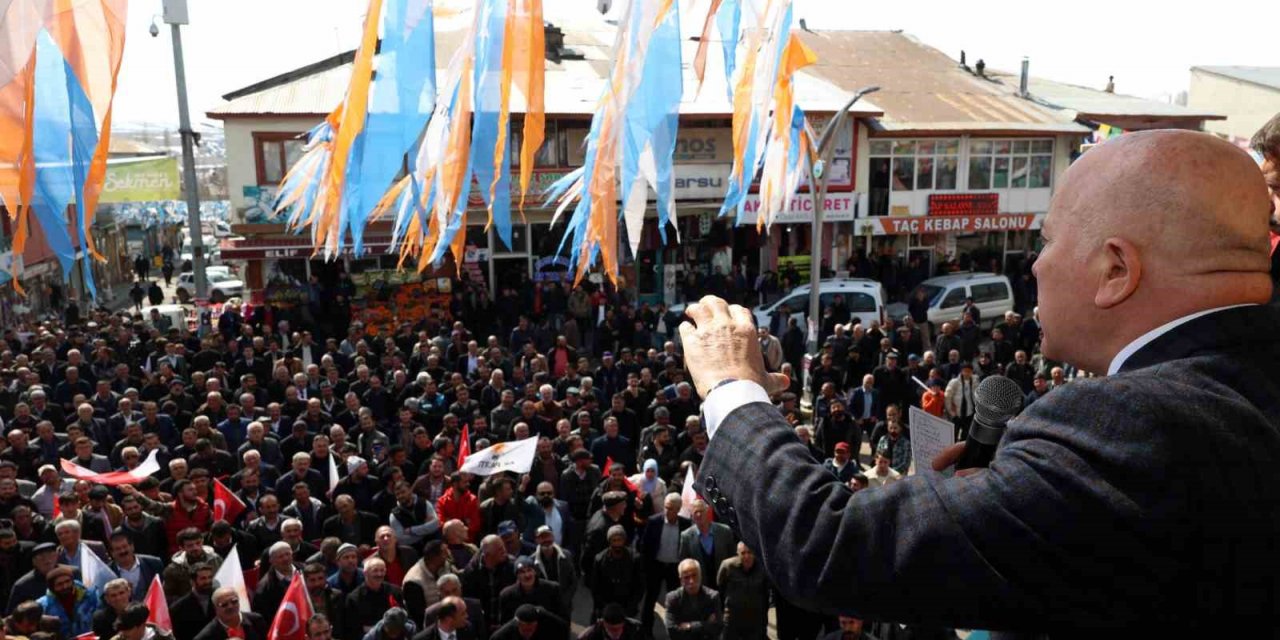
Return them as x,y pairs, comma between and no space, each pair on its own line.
1026,76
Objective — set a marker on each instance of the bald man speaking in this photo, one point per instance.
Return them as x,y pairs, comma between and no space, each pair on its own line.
1148,499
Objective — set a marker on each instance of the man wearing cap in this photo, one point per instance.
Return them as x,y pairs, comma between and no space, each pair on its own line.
274,578
32,585
516,546
69,601
578,483
840,464
616,575
557,565
836,426
531,589
358,484
961,402
600,526
349,575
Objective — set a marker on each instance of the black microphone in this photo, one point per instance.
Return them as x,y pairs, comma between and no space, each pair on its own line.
996,401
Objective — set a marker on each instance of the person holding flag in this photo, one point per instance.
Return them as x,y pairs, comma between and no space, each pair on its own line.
291,616
138,623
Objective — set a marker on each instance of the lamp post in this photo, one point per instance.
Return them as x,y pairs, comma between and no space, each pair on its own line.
175,14
818,191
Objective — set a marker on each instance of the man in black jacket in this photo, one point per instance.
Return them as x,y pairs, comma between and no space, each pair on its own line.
1015,546
491,571
530,589
230,622
659,546
192,612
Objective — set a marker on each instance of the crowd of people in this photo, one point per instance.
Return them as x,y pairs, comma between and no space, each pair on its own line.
599,532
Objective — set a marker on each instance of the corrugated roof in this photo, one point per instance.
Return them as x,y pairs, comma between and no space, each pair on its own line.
1094,103
922,89
1266,76
572,86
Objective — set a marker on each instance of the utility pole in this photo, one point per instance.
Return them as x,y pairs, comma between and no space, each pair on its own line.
818,178
175,14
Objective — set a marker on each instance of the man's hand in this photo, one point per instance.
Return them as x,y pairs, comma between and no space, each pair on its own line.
722,343
948,459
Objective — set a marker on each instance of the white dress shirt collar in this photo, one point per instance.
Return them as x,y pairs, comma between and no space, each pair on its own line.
1146,338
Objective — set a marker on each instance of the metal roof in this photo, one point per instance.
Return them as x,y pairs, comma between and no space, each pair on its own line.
1265,76
572,86
922,89
1095,103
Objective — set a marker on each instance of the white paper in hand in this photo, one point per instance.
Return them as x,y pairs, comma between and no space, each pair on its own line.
930,435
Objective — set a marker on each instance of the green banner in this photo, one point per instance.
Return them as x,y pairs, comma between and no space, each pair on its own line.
142,180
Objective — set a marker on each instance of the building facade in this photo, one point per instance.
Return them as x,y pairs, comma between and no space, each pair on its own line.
1247,96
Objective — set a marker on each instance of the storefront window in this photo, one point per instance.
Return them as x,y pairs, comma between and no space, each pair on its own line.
1004,164
917,165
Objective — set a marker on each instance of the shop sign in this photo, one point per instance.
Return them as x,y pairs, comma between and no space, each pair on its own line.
694,145
964,204
957,224
699,181
141,180
539,181
838,207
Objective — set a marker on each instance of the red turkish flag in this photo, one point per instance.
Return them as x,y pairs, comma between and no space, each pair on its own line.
291,618
158,606
608,465
464,446
226,505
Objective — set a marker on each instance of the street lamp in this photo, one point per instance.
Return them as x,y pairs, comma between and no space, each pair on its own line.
818,177
175,13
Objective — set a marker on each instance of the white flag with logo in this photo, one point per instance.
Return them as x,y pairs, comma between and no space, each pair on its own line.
688,495
333,471
93,571
230,575
516,457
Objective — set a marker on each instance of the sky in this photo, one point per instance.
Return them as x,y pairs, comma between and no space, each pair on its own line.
1148,47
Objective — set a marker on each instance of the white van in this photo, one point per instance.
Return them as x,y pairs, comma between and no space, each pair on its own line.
991,293
863,297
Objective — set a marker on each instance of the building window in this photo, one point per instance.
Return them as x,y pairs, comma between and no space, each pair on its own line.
546,156
911,165
1010,164
275,153
916,165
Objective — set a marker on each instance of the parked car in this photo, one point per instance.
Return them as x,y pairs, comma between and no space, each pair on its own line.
991,293
221,286
863,297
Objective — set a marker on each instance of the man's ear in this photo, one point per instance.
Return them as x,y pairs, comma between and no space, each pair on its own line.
1119,265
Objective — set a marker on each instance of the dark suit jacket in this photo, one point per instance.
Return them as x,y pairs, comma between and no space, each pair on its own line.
651,538
723,547
255,628
150,567
857,400
368,524
431,633
702,611
188,619
1171,462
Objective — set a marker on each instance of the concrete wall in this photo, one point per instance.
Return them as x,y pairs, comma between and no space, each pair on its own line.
1247,106
242,169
